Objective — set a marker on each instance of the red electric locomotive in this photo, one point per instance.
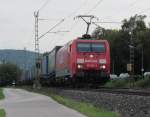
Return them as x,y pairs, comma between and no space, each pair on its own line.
85,60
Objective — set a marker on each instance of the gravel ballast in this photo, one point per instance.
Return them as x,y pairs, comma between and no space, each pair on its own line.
126,105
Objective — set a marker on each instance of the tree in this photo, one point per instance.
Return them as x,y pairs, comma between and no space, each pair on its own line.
135,24
120,40
9,73
143,42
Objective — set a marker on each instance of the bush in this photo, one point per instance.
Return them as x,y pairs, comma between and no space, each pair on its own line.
120,83
1,94
143,83
2,113
9,73
125,83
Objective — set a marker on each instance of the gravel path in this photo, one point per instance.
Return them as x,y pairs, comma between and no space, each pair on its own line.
21,103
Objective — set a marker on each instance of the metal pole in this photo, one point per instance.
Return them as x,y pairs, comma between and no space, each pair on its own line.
37,50
132,54
142,61
36,15
132,57
25,62
113,66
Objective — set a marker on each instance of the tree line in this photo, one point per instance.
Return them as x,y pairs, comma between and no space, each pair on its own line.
120,41
9,73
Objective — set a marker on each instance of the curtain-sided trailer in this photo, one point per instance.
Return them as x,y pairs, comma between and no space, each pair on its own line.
48,64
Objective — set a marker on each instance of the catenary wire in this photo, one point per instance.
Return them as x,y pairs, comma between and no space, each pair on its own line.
44,5
72,14
78,9
95,6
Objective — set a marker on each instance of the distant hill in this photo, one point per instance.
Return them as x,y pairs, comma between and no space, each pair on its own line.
22,58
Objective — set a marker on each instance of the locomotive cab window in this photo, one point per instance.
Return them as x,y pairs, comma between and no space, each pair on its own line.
98,47
83,47
91,47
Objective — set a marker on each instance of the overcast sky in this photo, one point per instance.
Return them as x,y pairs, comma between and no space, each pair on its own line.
17,21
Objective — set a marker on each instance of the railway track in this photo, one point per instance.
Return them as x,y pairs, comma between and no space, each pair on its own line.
123,91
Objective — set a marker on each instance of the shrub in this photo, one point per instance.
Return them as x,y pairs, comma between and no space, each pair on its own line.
143,83
120,83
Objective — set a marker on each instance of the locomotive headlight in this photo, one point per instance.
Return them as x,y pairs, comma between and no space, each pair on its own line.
80,60
103,67
102,61
91,56
80,66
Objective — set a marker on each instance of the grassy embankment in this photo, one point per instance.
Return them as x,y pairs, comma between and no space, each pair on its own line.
1,94
85,108
122,83
2,112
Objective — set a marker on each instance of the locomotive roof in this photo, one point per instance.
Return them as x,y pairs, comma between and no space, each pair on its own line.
89,40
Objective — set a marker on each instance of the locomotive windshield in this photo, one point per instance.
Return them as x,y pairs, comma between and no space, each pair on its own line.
91,47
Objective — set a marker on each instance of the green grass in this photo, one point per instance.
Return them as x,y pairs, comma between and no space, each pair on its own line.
118,83
2,113
143,83
85,108
122,83
1,94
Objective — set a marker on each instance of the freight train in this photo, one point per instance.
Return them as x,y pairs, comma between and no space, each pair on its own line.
84,59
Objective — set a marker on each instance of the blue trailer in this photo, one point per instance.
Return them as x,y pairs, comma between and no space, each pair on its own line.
44,65
48,64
